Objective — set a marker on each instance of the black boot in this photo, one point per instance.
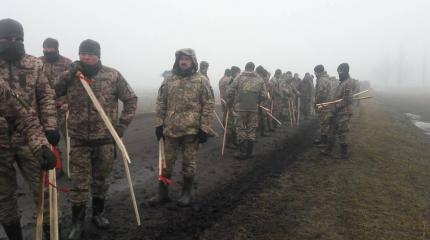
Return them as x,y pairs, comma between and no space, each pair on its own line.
328,148
162,197
242,152
78,219
186,199
249,149
324,141
98,215
13,230
229,142
343,151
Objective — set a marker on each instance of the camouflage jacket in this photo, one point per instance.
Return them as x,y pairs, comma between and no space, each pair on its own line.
305,89
223,84
24,121
276,90
344,92
184,105
53,71
27,79
323,89
108,86
244,85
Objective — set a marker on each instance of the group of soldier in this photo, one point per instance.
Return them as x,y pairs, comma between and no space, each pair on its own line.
38,93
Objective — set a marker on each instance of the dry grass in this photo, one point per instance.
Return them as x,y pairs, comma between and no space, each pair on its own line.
382,192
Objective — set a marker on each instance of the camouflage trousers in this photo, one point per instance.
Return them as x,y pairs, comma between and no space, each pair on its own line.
324,118
246,128
339,127
30,168
90,166
188,147
305,107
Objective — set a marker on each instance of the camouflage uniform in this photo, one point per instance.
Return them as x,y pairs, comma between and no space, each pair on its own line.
247,92
305,89
276,95
53,71
27,79
323,93
184,106
223,84
264,121
92,146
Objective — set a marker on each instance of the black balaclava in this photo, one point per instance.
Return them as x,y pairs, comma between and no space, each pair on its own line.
51,57
11,50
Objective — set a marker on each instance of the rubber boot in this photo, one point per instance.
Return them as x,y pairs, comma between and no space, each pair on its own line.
242,152
229,142
162,197
343,151
47,231
99,219
249,149
78,220
328,149
262,133
13,230
324,141
186,199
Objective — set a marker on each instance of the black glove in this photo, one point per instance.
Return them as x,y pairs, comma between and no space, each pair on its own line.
202,136
159,132
120,129
46,158
53,136
75,67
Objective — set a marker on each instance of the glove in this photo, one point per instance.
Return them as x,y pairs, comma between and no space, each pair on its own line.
202,136
75,67
120,129
46,158
53,136
159,132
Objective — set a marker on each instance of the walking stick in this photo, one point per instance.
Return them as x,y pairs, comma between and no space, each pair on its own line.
53,205
270,115
219,120
298,111
39,208
117,139
225,134
67,145
291,115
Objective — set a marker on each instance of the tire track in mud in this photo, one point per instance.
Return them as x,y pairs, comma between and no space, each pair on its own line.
189,223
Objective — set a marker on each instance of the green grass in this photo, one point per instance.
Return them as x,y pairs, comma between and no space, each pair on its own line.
381,192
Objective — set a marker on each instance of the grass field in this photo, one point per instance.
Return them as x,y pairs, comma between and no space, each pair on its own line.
381,192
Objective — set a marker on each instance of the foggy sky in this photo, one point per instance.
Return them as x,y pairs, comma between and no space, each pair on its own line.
384,41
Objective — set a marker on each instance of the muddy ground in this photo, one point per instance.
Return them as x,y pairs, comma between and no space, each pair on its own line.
287,191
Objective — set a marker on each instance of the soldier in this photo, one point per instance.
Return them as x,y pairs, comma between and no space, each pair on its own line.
185,106
222,84
263,118
203,69
92,146
305,89
231,136
276,94
246,93
341,113
24,74
356,89
323,94
54,65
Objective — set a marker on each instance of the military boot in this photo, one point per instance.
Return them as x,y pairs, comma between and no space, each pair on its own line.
328,149
343,151
323,142
13,230
249,149
242,152
162,197
78,220
99,219
229,142
186,198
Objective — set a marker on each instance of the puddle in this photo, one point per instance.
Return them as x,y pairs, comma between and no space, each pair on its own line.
416,120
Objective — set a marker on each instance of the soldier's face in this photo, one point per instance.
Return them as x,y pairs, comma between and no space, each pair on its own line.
49,50
88,59
185,62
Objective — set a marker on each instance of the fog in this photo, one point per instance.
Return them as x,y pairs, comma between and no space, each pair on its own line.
384,41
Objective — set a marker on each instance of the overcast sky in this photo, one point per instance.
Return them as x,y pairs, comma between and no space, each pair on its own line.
139,38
